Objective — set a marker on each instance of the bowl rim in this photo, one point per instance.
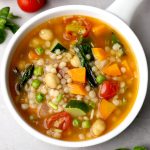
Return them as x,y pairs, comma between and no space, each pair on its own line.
117,130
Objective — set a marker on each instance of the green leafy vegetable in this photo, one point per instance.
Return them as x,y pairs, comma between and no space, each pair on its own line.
84,47
25,77
122,149
6,22
12,26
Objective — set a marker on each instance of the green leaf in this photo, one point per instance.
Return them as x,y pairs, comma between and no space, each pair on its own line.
140,148
12,26
2,23
12,16
2,35
4,12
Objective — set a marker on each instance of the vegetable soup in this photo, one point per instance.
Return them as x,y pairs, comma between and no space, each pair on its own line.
75,78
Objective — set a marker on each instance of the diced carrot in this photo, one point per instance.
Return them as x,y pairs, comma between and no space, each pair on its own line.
99,53
112,70
32,55
78,74
126,65
78,89
99,30
106,108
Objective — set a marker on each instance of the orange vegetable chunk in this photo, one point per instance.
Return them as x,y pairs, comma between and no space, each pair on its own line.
99,53
126,65
78,89
106,108
78,74
99,30
112,70
32,55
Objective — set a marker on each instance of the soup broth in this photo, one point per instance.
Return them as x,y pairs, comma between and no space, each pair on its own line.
73,78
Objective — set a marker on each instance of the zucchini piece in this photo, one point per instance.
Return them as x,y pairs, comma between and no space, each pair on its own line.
77,108
56,45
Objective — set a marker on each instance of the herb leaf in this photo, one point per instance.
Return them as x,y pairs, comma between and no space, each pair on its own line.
4,12
12,26
2,35
12,16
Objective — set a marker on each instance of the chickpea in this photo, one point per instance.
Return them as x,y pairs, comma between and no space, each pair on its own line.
46,34
35,42
51,80
98,127
75,62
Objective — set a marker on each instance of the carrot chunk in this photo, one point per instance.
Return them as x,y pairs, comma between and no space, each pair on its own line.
78,89
106,108
99,30
99,53
78,74
112,70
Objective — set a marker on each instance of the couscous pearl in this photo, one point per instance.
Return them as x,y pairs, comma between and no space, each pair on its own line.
59,76
123,69
92,94
85,118
55,65
53,70
87,88
59,87
48,68
116,102
53,56
63,81
79,97
65,69
66,89
122,84
94,68
51,92
122,90
69,80
47,44
24,106
40,62
88,56
56,93
57,52
62,64
66,76
116,46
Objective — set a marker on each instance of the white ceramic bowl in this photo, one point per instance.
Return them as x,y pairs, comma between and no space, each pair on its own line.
110,19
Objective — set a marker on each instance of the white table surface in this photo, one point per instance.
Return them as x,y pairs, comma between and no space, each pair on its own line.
13,137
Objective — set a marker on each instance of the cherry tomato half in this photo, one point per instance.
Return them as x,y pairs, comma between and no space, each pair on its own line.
63,118
31,5
108,89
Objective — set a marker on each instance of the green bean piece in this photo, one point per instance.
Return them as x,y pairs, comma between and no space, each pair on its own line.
39,50
100,78
86,124
36,83
40,97
76,122
38,71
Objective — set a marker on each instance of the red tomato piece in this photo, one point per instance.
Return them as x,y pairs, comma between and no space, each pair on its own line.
63,118
108,89
31,5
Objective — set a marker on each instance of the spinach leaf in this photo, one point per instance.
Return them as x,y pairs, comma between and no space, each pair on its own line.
84,47
25,77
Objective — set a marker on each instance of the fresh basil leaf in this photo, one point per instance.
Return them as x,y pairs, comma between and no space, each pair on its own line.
12,16
12,26
2,35
4,12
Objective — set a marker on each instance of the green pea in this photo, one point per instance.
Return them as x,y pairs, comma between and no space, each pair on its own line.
100,78
39,50
40,97
86,124
59,98
92,104
76,122
38,71
36,83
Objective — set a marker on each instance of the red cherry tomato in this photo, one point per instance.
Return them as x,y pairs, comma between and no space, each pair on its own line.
63,118
108,89
31,5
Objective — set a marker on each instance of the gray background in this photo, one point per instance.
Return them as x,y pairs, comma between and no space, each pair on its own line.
13,137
